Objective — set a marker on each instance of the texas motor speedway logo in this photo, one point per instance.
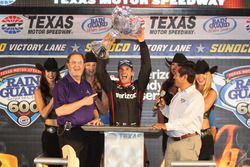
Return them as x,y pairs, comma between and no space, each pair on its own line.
17,86
47,24
12,24
233,87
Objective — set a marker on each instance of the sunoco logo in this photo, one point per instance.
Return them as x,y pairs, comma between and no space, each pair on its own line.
17,86
234,92
6,2
219,25
97,24
12,24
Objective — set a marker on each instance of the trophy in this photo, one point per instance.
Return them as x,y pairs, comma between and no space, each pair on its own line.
124,24
101,48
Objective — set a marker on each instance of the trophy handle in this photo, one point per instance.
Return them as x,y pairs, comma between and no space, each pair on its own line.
101,48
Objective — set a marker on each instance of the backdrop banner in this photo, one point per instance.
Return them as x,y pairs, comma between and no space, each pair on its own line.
221,41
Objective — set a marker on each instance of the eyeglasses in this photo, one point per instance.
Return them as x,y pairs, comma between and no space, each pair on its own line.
76,62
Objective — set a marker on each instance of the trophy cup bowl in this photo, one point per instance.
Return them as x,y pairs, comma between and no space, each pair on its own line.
124,24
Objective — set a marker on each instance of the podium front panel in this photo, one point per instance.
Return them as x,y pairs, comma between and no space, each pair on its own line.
124,149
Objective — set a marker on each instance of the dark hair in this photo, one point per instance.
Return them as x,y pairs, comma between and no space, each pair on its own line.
169,82
44,86
96,83
188,68
170,75
75,53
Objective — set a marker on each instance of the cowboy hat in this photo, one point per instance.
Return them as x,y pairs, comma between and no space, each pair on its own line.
50,65
90,57
178,58
201,67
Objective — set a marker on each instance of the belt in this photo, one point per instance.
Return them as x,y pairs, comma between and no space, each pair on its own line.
184,136
51,129
68,125
205,132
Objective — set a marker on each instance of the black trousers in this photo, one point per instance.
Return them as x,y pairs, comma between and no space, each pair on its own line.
164,138
50,145
84,144
207,148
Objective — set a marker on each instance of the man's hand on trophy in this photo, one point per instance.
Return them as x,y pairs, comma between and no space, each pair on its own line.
107,41
140,34
108,37
101,48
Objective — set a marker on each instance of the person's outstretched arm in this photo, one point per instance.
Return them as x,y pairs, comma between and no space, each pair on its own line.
145,70
103,76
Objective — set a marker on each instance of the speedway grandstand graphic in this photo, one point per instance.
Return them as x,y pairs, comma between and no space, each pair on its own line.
233,87
17,86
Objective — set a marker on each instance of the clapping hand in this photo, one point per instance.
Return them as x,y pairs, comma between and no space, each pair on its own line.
139,35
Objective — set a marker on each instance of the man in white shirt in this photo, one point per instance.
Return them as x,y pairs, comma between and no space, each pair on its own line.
185,118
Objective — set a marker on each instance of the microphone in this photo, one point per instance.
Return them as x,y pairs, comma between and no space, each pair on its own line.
156,105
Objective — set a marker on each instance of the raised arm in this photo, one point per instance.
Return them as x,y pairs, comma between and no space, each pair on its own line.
145,70
103,76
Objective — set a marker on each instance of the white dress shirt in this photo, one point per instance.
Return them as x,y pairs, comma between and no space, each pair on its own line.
185,112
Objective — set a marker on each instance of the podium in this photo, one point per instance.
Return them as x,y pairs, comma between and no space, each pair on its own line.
124,146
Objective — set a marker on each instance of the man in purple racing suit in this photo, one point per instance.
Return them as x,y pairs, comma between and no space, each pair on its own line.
126,96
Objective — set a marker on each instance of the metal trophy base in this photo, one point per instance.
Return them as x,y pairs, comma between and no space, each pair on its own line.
100,51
